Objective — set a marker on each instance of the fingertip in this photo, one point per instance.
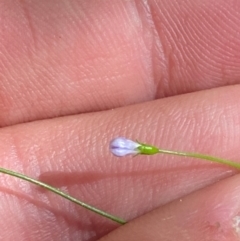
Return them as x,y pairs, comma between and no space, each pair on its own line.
212,213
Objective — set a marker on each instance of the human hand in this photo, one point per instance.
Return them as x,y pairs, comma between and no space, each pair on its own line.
75,74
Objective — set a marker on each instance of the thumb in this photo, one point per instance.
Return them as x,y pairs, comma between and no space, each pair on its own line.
212,213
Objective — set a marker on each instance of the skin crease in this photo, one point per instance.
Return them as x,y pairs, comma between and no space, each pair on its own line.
75,74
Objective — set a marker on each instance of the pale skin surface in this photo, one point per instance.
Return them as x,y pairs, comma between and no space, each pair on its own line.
70,73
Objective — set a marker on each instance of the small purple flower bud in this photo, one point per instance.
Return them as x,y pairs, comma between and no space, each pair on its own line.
121,147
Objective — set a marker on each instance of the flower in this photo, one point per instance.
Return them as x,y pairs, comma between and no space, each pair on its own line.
121,146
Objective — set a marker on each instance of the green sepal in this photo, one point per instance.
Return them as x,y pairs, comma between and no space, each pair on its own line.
145,149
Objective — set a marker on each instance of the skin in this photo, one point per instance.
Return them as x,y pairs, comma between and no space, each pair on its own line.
75,74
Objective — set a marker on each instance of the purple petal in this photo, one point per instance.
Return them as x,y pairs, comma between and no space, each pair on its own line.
121,147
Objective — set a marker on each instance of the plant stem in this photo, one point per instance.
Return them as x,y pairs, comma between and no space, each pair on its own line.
103,213
201,156
62,194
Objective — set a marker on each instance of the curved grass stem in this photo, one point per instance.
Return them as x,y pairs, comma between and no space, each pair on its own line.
145,149
63,194
201,156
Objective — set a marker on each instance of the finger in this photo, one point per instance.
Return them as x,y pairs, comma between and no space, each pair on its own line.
61,58
72,153
209,214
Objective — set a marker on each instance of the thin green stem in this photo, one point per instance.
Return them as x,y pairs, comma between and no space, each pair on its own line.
201,156
146,150
62,194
